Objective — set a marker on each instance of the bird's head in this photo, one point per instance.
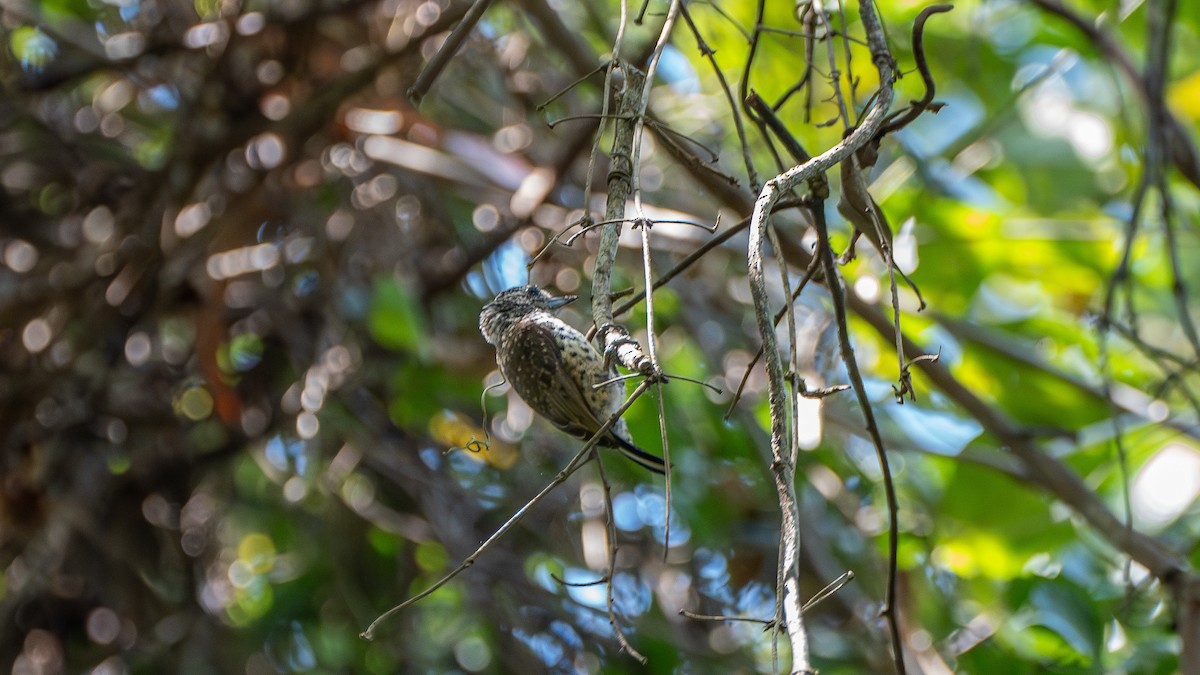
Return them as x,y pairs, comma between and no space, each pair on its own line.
514,304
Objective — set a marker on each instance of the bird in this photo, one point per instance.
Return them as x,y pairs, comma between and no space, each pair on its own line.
555,370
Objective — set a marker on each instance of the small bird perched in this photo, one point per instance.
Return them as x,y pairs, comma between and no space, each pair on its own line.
554,368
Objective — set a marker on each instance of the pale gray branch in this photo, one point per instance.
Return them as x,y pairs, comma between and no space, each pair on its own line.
782,466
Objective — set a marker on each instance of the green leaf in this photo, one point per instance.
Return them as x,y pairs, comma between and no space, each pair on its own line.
1070,613
396,320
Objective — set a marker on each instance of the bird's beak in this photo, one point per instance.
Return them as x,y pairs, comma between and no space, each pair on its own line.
563,301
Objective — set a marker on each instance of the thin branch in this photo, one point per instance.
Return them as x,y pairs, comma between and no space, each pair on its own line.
647,263
835,75
615,340
572,466
447,51
603,67
744,84
904,118
610,531
693,257
841,10
836,292
1183,150
822,595
1119,279
640,104
734,110
781,466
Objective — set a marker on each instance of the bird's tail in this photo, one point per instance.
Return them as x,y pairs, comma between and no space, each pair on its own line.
638,455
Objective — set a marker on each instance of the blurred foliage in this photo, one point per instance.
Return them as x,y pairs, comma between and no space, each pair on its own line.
241,382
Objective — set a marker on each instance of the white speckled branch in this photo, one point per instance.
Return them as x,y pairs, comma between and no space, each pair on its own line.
615,340
782,466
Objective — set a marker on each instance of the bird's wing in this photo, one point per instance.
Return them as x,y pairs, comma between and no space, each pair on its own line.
543,380
540,375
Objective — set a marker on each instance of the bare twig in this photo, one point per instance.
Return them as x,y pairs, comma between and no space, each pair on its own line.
744,84
615,340
781,466
447,51
767,623
647,264
572,466
828,265
739,127
904,118
822,595
610,531
691,258
1183,150
821,15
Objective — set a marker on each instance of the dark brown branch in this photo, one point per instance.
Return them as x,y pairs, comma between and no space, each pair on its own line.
838,296
711,56
447,51
903,119
1183,150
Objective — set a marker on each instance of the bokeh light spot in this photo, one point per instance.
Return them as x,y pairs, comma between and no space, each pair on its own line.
194,403
20,256
103,626
36,336
1166,485
473,654
258,551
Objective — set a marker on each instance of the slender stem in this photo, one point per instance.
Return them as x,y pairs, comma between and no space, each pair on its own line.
615,341
577,461
781,466
449,48
610,534
837,293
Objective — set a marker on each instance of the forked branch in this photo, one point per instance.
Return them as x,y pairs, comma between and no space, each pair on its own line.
782,466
